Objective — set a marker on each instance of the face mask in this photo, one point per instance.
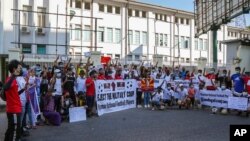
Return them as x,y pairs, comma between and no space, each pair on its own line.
223,87
199,73
67,102
58,75
169,88
224,74
211,72
237,72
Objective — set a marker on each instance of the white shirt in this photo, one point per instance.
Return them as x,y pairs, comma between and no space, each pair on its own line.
167,94
157,97
80,84
21,84
182,94
58,86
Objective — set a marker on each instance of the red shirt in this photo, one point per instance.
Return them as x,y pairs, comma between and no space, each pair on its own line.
247,83
109,77
101,77
13,103
118,77
90,90
210,81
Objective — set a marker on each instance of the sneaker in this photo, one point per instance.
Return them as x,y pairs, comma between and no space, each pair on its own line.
145,106
139,106
148,106
153,109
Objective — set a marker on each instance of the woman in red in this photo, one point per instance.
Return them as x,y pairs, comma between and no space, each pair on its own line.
118,75
101,75
13,103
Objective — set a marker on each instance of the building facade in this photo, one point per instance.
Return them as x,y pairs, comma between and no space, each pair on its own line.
124,30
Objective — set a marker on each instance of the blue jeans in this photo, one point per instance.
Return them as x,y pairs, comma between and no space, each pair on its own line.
146,98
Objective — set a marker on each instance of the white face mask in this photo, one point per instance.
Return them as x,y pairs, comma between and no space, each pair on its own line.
237,71
58,75
223,87
169,88
211,72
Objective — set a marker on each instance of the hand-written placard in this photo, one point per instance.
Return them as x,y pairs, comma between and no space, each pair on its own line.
77,114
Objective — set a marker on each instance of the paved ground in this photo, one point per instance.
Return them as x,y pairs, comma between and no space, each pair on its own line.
140,125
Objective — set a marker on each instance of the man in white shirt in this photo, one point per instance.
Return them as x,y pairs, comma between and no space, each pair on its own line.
168,95
157,99
182,95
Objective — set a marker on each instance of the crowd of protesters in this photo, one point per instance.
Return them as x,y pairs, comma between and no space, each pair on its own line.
64,85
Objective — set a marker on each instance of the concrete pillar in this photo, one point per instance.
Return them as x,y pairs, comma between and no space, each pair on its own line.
151,35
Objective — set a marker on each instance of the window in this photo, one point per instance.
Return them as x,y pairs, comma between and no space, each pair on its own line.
27,15
101,34
219,46
156,16
137,13
110,35
71,32
41,17
187,21
87,33
26,48
187,60
137,57
165,59
161,39
187,42
144,14
176,40
130,33
228,33
205,45
101,7
78,4
144,38
117,10
78,32
117,56
182,42
196,44
117,35
182,60
156,39
129,57
71,3
41,49
87,5
182,21
176,20
166,18
201,44
130,12
165,40
161,17
110,9
137,37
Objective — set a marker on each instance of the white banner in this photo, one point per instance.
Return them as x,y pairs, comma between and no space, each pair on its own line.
239,103
115,95
215,98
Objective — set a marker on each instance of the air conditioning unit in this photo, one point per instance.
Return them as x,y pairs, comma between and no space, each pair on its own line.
25,29
40,31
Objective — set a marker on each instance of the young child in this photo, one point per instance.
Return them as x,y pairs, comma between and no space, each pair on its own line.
157,99
191,96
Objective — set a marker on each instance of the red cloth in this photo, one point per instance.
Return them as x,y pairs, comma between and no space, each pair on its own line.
109,78
101,77
118,77
105,60
90,90
247,83
13,103
211,77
